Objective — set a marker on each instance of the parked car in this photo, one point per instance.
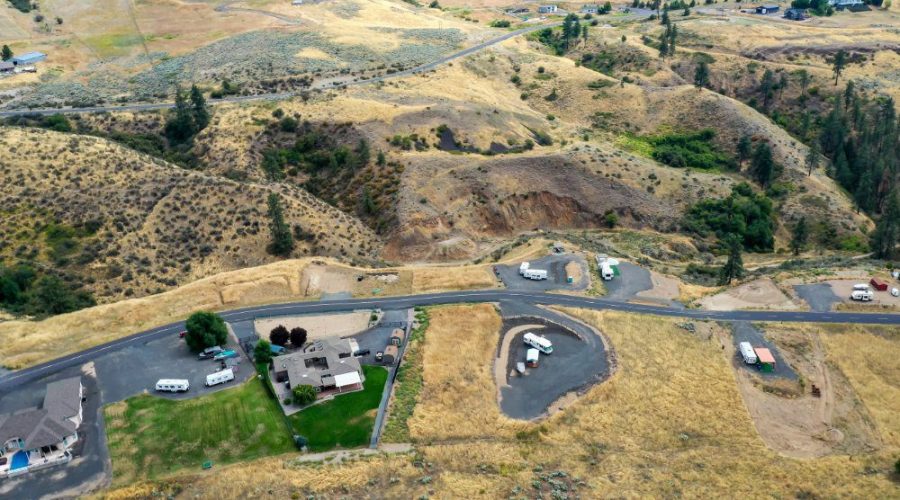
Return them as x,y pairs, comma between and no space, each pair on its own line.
362,352
895,292
209,352
225,355
379,356
182,334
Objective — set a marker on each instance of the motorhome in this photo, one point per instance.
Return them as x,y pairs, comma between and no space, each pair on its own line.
523,267
747,353
536,274
606,271
539,343
862,295
531,358
172,385
219,377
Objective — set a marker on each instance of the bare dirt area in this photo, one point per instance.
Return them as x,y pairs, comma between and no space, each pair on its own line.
321,278
318,326
792,417
759,294
666,288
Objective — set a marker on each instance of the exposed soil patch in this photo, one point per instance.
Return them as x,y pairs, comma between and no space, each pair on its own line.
759,294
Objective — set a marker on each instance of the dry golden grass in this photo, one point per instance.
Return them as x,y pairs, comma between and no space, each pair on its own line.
688,293
436,279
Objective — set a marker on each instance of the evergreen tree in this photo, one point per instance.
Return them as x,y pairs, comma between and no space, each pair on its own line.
282,243
762,165
664,20
734,266
200,112
887,232
812,158
838,65
686,12
767,87
803,78
801,234
7,53
180,122
663,46
743,149
701,75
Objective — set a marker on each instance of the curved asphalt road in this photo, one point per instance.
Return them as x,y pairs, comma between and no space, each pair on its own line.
403,302
286,95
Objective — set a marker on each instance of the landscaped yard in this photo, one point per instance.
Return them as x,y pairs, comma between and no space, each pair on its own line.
347,420
151,436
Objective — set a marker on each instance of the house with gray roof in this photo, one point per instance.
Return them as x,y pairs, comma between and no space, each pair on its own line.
35,438
327,365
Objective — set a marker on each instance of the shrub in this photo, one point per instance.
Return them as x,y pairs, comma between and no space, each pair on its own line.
744,214
304,394
279,335
262,353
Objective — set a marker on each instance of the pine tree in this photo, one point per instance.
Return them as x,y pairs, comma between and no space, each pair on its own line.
838,65
200,112
664,20
762,165
744,149
734,266
663,46
887,232
767,87
180,125
812,157
7,53
801,234
701,75
282,243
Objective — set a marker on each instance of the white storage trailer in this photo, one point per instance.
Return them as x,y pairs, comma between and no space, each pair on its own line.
523,267
531,358
536,274
539,343
747,353
219,377
172,385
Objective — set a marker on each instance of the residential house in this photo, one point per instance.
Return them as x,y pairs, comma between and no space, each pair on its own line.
767,9
547,9
796,14
7,67
590,9
29,58
327,365
35,438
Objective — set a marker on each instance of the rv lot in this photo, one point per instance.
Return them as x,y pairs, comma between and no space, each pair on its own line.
555,265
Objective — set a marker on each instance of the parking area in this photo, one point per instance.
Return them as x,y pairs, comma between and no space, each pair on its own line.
579,360
631,280
819,296
557,275
743,331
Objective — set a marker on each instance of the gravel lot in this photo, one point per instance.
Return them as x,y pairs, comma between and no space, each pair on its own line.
631,280
556,271
819,296
745,332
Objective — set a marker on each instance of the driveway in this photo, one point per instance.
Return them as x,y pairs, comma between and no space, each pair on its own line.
819,296
575,363
631,280
743,331
556,274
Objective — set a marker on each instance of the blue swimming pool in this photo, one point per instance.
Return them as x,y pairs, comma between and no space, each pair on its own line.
19,460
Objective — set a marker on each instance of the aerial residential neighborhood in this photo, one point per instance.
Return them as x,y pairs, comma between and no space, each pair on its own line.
449,249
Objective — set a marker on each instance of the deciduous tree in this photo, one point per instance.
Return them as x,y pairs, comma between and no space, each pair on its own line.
279,335
298,337
205,329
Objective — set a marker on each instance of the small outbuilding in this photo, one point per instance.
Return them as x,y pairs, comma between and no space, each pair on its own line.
796,14
879,284
590,9
547,9
765,359
767,9
6,67
558,247
391,353
397,337
29,58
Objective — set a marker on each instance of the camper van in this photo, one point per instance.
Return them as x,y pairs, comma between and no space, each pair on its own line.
539,343
523,267
219,377
862,295
536,274
172,385
606,271
747,353
531,358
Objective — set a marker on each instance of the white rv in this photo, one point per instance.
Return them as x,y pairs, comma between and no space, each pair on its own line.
747,353
523,267
536,274
219,377
531,358
172,385
539,343
862,295
606,271
862,287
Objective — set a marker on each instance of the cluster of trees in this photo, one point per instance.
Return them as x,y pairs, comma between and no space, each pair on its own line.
205,329
668,38
313,152
280,336
818,7
24,290
744,215
282,242
690,149
189,117
563,39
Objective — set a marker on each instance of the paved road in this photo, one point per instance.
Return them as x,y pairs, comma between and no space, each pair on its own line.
286,95
402,302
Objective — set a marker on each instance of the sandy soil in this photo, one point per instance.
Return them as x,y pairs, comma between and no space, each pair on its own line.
318,326
759,294
574,271
664,287
329,278
843,288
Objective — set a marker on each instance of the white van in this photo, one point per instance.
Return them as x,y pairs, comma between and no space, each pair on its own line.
523,267
172,385
539,343
606,271
862,295
219,377
536,274
748,353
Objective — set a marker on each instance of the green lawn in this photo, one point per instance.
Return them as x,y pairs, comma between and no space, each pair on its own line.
347,420
151,436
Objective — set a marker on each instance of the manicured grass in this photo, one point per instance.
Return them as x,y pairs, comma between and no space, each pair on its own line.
347,420
151,436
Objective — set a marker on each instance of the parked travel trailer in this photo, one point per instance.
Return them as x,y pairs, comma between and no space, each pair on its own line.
531,358
863,287
536,274
747,353
862,295
606,271
219,377
523,267
172,385
539,343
